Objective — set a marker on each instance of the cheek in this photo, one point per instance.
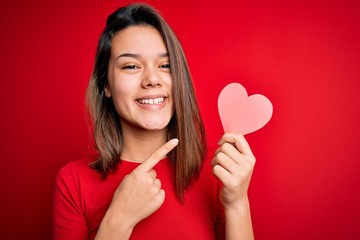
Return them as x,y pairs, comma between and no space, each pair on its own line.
169,82
123,88
122,95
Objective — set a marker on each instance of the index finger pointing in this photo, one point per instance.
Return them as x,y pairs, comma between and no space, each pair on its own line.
159,154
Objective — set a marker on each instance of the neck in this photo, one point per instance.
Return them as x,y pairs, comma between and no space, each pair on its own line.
139,144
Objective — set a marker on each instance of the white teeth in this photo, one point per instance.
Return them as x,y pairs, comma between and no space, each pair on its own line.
151,101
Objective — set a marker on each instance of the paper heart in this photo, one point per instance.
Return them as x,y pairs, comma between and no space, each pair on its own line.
240,113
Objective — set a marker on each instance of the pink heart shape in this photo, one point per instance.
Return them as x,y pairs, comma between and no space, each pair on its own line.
240,113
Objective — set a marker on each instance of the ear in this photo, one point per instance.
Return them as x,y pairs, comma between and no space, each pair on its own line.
107,91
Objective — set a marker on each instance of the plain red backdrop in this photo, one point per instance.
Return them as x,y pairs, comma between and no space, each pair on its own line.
304,57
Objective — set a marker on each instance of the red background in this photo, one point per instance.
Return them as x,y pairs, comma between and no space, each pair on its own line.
304,57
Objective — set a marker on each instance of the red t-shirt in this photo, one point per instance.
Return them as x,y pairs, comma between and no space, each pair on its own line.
82,198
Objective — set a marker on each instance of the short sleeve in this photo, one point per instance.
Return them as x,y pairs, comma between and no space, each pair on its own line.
68,215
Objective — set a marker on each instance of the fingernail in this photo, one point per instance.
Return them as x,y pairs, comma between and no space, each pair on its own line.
175,141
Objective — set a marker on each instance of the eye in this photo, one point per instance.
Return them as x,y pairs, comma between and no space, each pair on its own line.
166,66
130,66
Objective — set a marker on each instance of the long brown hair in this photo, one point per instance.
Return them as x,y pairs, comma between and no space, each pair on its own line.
186,123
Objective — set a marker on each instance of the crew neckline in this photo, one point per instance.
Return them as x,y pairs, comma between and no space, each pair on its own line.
124,160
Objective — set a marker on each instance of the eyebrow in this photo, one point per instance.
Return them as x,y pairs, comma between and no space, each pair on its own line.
135,55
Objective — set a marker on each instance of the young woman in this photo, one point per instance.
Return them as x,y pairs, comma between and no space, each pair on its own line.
151,178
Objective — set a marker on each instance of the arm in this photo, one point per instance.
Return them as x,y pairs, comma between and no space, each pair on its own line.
233,165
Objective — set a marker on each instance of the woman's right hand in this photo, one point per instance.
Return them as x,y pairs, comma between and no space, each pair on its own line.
137,197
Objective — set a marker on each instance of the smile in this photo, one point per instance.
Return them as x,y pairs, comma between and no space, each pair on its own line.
152,101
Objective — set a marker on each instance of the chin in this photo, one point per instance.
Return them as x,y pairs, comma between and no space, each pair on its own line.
156,125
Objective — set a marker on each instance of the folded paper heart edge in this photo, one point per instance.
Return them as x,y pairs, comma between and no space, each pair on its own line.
240,113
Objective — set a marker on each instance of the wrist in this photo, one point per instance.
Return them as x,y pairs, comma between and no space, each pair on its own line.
241,206
114,228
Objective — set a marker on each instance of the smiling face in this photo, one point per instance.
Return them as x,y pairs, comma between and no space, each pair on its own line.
139,79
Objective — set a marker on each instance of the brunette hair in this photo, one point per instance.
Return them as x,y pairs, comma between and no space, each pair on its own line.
186,123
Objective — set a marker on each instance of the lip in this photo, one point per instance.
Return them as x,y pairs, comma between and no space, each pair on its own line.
152,96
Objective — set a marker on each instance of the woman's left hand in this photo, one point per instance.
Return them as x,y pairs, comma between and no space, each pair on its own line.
233,164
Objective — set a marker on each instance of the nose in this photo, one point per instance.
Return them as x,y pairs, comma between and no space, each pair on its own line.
151,78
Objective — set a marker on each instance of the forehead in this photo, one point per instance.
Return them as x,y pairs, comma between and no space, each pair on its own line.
139,40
